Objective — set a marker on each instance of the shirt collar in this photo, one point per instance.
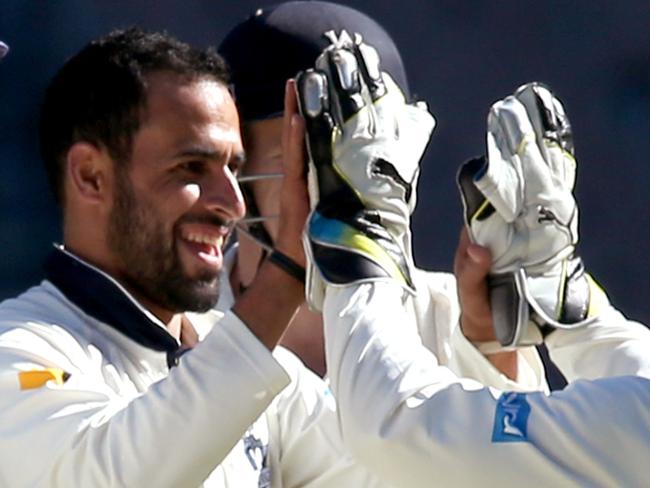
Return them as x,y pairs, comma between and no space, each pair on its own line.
102,297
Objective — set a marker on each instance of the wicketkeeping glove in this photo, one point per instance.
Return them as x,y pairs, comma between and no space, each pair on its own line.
519,203
365,143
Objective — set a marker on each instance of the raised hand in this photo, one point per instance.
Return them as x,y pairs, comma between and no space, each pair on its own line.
365,143
519,203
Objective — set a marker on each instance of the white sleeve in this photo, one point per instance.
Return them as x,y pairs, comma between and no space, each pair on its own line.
612,346
413,422
83,433
438,320
467,361
306,439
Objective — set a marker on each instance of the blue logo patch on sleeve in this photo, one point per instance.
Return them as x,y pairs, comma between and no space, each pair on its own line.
511,418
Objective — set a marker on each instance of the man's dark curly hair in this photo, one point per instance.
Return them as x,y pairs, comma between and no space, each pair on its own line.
99,95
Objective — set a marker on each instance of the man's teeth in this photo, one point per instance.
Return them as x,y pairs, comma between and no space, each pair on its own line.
203,239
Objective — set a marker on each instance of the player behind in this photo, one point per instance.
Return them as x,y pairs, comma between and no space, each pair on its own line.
264,51
117,360
403,413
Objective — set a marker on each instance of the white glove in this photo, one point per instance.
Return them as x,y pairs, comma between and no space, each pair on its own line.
365,143
519,203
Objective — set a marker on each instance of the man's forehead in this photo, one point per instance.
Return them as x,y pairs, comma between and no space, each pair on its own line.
170,90
186,117
263,136
263,144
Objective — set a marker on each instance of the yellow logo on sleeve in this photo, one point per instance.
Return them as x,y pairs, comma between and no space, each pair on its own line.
36,378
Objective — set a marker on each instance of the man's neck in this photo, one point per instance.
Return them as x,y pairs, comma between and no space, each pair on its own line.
183,331
177,324
170,319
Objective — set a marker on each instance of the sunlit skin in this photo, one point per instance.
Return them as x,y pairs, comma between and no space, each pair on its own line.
182,174
471,268
272,286
263,156
263,140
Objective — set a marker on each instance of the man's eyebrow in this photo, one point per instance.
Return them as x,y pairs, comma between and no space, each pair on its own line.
199,152
239,158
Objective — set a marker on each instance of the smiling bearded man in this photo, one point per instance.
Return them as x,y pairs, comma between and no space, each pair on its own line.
176,264
141,142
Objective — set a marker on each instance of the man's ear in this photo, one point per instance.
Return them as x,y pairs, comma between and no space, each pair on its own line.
89,173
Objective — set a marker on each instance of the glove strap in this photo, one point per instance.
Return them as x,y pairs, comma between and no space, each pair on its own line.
357,250
511,311
288,265
518,315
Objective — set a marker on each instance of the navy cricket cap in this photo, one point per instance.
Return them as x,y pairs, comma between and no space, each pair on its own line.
277,42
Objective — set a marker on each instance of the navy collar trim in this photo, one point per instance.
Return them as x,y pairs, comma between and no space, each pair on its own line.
102,297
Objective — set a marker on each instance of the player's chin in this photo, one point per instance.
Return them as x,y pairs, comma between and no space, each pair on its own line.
202,278
200,295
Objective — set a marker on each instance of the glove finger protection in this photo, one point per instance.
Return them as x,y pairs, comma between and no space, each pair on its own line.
364,143
519,203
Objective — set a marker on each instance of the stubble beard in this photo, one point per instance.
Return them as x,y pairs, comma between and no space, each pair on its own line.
150,257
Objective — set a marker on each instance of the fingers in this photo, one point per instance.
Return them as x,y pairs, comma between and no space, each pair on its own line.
475,205
565,132
346,82
313,93
508,122
294,201
353,73
546,114
369,68
314,103
295,159
289,110
340,64
505,135
471,267
472,262
292,135
552,128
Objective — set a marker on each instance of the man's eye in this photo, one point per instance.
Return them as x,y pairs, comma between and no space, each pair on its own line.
234,168
192,167
236,164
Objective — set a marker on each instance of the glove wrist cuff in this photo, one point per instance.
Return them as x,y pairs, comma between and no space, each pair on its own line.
288,265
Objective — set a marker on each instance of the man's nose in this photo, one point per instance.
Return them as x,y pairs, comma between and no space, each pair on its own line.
221,193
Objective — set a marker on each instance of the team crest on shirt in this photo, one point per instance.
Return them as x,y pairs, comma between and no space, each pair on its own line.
511,418
257,454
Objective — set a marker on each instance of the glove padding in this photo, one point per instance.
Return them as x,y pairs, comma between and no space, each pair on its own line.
365,143
519,203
